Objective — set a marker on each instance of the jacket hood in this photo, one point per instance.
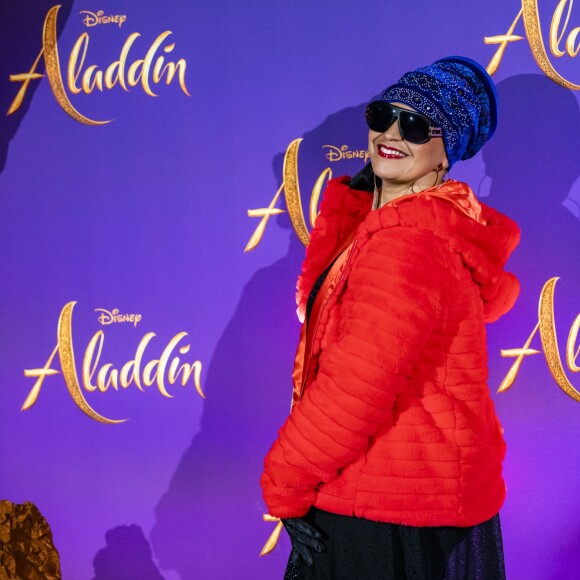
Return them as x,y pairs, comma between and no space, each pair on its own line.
481,235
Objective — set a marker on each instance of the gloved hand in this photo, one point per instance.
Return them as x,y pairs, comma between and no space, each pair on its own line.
303,537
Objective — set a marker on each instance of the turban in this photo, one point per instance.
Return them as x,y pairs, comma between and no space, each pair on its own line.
456,94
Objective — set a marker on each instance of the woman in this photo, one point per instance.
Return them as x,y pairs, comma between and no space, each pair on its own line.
389,465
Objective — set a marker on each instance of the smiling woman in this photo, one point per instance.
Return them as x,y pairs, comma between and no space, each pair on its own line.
390,463
408,162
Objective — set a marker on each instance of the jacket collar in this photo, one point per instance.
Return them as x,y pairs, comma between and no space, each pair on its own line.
455,192
483,236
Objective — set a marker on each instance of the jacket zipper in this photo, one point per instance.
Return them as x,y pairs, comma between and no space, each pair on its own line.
342,275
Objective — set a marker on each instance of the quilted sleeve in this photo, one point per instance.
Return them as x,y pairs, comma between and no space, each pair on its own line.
393,298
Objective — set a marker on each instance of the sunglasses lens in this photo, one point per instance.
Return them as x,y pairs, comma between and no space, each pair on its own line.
414,128
379,116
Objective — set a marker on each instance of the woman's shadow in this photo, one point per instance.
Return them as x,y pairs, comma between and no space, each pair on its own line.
209,523
533,165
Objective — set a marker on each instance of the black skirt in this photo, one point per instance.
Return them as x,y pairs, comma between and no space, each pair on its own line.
361,549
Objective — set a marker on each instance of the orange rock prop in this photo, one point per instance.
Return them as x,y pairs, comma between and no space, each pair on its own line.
26,547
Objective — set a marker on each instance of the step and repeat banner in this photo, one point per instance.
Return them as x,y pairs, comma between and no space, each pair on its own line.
161,166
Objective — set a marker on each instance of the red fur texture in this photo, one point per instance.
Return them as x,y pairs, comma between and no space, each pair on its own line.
397,423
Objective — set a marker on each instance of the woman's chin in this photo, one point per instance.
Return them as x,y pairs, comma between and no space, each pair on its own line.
390,170
392,178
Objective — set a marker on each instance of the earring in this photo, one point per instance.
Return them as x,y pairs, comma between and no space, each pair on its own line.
438,170
378,182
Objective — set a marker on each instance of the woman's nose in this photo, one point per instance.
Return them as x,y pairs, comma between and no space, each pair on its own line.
393,131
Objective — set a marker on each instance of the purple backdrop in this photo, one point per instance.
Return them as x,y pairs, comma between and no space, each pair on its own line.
148,215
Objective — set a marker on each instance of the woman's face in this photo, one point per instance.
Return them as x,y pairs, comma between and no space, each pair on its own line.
399,162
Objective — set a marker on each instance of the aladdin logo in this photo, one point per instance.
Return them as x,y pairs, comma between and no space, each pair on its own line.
291,189
547,327
98,377
150,70
92,19
113,316
562,40
339,153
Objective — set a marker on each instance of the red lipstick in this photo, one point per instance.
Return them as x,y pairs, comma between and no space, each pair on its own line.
389,152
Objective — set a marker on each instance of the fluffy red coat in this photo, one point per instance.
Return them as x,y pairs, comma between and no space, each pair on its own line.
396,423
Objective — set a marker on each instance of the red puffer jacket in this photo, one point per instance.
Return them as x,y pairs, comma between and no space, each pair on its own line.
396,422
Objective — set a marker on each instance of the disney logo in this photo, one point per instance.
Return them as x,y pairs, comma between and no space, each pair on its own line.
113,316
339,153
92,19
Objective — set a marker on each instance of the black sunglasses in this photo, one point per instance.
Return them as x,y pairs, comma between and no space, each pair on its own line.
414,127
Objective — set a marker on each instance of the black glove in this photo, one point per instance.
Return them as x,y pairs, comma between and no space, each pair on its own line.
303,537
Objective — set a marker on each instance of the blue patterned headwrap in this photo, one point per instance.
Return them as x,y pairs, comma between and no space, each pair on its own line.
458,95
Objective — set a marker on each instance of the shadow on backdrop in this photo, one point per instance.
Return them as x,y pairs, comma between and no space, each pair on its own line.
533,164
127,556
20,42
209,523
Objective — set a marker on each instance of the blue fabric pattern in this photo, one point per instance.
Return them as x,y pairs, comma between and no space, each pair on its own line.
456,94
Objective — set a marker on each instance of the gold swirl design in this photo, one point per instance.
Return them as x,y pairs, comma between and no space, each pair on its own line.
550,341
323,178
292,191
503,40
49,40
67,357
570,354
519,353
534,34
274,536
